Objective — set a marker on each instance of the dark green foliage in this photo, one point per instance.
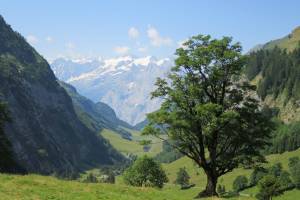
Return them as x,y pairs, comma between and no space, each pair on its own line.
69,174
221,190
110,178
283,177
285,181
240,183
168,153
280,72
7,162
90,178
208,111
182,178
145,172
255,64
285,138
269,187
294,166
293,161
257,174
275,170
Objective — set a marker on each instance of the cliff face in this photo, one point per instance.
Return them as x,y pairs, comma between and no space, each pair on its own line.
45,133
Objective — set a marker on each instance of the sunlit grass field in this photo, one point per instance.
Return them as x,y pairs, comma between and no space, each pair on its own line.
35,187
132,147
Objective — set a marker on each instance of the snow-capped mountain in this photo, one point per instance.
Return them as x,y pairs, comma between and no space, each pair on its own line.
65,68
124,83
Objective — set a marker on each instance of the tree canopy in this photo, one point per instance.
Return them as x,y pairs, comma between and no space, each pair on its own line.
209,110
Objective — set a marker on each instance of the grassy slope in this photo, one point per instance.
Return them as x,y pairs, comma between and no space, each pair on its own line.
36,187
289,42
199,178
126,146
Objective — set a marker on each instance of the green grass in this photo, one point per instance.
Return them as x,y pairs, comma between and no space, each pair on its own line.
289,42
133,146
198,177
121,144
36,187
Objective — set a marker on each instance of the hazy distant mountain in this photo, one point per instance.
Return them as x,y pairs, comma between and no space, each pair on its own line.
65,68
124,83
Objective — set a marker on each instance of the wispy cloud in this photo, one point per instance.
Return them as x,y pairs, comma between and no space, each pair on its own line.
32,39
49,39
133,33
121,49
70,45
156,39
142,49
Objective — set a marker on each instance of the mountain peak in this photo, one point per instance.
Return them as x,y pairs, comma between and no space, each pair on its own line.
124,83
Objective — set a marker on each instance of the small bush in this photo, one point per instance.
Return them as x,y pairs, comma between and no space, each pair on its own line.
240,183
269,186
285,181
275,170
90,178
221,190
257,174
145,172
295,172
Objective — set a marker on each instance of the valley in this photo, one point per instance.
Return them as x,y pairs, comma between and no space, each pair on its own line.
171,109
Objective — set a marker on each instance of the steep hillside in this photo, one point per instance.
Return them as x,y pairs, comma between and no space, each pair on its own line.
141,125
124,83
96,116
45,133
275,69
289,42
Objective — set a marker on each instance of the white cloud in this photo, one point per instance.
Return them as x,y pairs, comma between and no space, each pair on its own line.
32,39
49,39
121,49
70,45
133,33
156,39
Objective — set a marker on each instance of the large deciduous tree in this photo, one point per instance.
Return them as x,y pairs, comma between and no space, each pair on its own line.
209,110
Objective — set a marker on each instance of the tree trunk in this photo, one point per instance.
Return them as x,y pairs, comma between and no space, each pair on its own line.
211,186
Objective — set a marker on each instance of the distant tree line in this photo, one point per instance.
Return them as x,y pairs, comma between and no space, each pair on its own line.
279,70
285,138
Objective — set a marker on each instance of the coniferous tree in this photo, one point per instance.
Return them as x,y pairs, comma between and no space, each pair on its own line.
183,178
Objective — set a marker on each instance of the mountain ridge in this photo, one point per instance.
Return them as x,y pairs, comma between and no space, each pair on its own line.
124,83
46,135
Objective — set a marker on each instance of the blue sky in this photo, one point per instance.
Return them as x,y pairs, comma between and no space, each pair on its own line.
92,28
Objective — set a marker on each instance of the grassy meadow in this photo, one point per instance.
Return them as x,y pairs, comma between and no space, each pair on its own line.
36,187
